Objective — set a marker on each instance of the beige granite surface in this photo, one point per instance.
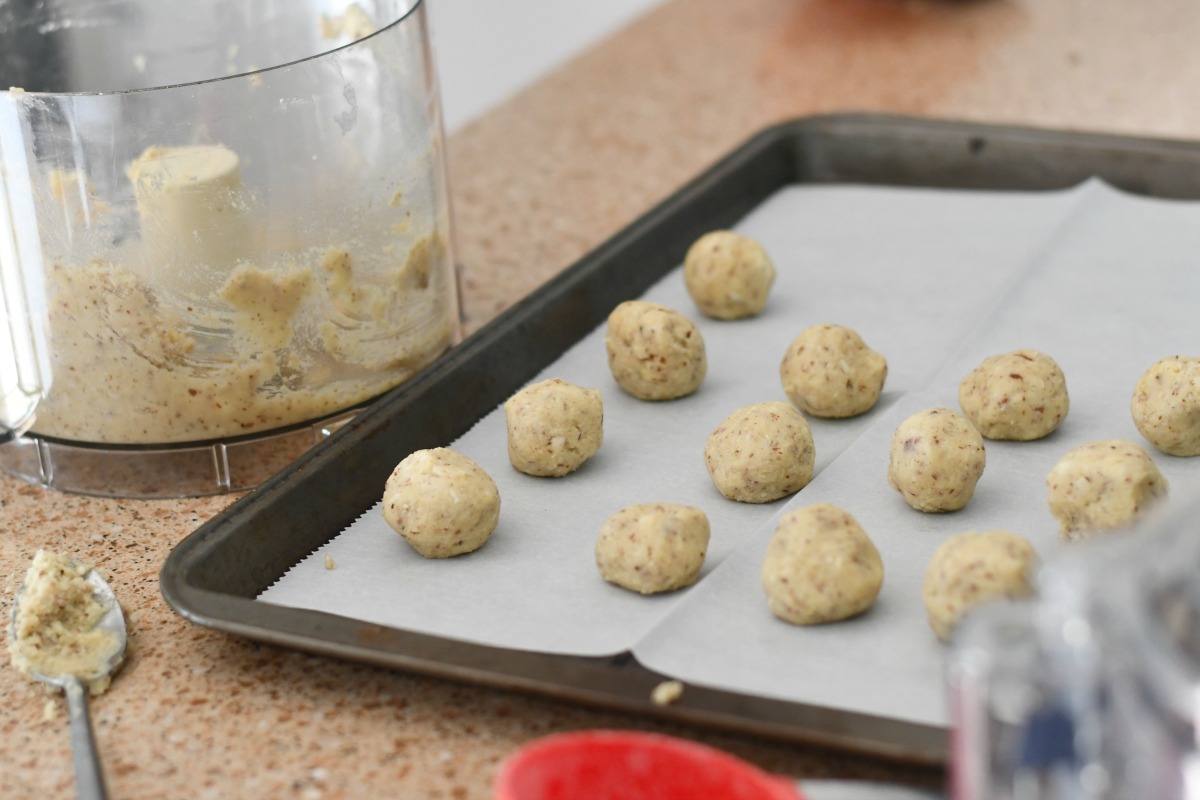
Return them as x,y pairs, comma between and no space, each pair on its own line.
537,183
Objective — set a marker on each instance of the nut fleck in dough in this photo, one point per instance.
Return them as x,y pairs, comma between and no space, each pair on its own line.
761,453
937,458
829,371
1102,485
441,502
653,547
728,275
553,427
1166,405
971,569
1019,396
654,352
820,567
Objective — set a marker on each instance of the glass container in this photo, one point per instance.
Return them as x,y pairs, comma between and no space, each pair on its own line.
224,226
1091,692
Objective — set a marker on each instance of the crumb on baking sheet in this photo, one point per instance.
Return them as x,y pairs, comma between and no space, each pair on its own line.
667,693
329,564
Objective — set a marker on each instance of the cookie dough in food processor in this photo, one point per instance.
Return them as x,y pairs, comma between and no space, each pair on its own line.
553,427
936,459
1102,485
971,569
820,567
728,275
226,236
761,453
653,547
654,352
828,371
441,502
188,335
1166,405
1018,396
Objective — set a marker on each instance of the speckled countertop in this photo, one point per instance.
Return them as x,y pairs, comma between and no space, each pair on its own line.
537,182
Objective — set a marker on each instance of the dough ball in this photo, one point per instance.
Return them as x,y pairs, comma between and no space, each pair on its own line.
829,371
653,547
1166,405
820,567
937,458
1102,485
728,275
1017,396
654,352
971,569
441,502
553,427
761,453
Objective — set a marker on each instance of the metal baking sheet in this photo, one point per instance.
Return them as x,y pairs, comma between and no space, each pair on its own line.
214,574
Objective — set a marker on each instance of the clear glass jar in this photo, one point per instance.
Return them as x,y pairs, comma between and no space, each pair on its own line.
1091,692
223,226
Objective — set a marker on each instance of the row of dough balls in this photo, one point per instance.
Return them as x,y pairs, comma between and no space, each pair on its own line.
657,353
1022,395
937,455
822,567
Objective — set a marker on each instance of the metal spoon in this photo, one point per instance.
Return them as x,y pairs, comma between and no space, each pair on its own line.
89,778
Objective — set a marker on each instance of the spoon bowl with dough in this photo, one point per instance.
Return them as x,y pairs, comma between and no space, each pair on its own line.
67,630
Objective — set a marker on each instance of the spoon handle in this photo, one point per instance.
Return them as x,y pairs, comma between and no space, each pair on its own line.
89,780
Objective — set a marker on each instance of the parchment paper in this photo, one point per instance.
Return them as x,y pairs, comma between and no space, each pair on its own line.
1118,289
935,280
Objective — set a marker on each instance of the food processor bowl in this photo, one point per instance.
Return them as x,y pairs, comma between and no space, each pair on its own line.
224,226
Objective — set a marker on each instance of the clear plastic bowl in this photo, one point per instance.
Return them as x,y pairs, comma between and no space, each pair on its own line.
223,227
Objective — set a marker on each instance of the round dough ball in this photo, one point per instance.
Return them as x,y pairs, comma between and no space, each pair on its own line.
829,371
653,547
553,427
1166,405
971,569
728,275
1018,396
654,352
761,453
1102,485
820,567
441,502
937,458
